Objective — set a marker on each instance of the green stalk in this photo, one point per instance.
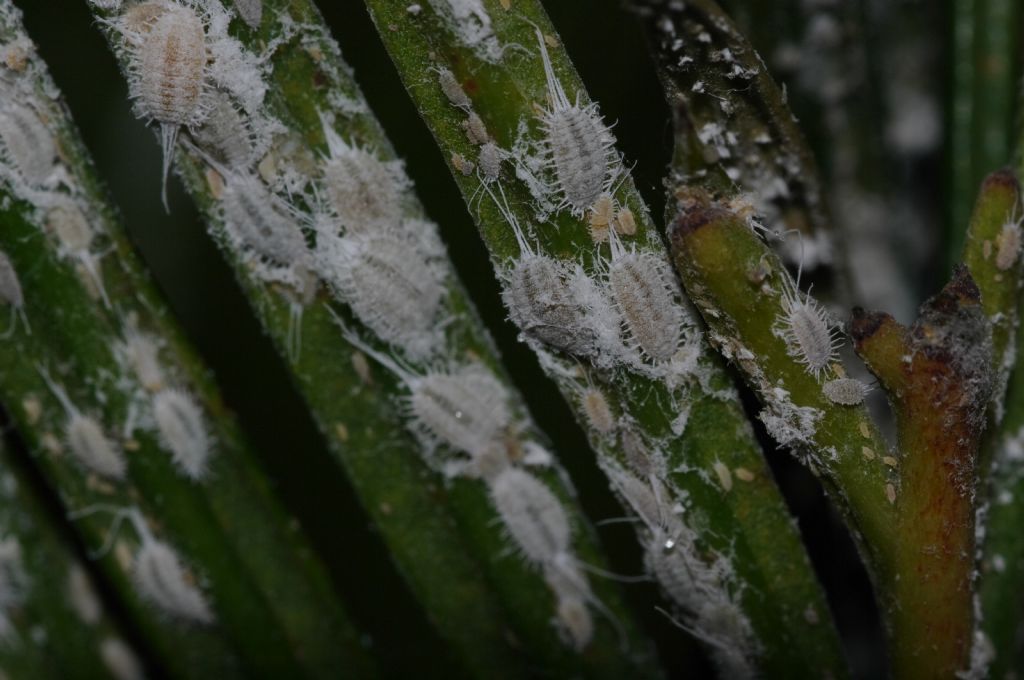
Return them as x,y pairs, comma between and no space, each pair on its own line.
912,511
678,431
271,606
429,501
985,79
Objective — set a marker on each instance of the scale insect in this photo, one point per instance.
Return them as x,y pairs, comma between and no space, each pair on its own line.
179,420
168,70
86,439
579,147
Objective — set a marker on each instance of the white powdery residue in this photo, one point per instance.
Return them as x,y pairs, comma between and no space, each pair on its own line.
788,424
470,21
983,653
1011,452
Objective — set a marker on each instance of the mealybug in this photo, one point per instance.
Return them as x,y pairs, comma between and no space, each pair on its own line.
28,144
142,354
168,74
580,149
466,408
547,298
251,12
86,439
259,220
82,596
160,578
452,89
532,514
182,431
120,660
1008,244
388,283
363,191
645,295
804,325
224,133
845,391
599,413
11,293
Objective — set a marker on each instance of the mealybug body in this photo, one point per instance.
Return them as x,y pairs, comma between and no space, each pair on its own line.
389,285
467,409
86,439
251,11
142,354
224,134
363,191
1008,244
120,661
11,293
531,512
452,89
27,143
182,431
257,219
845,391
807,330
169,73
580,149
645,296
161,579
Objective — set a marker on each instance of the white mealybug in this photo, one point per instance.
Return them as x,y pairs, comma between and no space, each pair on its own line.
259,220
579,147
810,335
476,130
27,143
452,89
182,430
120,660
11,293
388,283
489,161
86,439
845,391
160,578
82,596
75,234
599,413
251,12
532,514
169,68
645,295
546,297
1008,244
362,190
224,133
143,357
576,621
466,408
